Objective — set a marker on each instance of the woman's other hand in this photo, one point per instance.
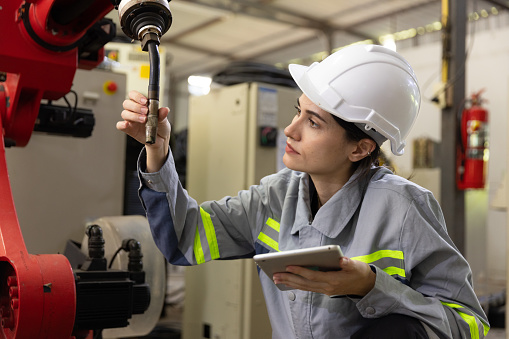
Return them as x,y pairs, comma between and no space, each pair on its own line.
355,278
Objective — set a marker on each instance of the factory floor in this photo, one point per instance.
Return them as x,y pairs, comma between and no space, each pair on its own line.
171,322
492,297
168,327
496,333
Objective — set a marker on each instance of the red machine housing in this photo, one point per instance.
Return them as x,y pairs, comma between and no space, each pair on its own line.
38,60
40,56
473,143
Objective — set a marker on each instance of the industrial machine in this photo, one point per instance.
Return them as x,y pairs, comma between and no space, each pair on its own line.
43,43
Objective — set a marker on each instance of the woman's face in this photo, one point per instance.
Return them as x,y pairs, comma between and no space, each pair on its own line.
316,144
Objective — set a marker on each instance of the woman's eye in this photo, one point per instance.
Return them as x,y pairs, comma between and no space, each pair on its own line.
312,123
298,110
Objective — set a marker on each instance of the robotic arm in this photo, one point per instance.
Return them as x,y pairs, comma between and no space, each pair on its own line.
46,40
40,55
43,43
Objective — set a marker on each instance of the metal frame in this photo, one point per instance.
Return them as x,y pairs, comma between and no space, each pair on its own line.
454,55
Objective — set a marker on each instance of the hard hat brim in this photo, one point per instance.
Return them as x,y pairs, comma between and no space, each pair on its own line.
298,74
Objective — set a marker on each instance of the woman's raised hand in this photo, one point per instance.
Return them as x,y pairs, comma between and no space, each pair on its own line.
135,116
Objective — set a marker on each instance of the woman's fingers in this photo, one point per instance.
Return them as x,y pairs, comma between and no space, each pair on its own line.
163,113
138,97
122,126
133,116
137,113
134,107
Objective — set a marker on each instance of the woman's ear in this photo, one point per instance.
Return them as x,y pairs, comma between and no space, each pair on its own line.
363,149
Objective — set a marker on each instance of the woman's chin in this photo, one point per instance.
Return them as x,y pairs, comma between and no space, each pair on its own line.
291,164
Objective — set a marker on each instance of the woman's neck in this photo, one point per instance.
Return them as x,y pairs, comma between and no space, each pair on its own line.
327,186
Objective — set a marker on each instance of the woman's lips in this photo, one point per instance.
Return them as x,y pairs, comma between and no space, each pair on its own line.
289,149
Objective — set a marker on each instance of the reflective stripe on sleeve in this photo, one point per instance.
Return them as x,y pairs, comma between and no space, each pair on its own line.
394,270
379,255
384,254
268,241
469,319
265,239
273,223
210,232
198,250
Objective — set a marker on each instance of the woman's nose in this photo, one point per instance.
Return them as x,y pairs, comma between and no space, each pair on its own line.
292,129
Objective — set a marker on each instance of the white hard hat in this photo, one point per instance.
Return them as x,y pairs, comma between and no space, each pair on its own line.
369,85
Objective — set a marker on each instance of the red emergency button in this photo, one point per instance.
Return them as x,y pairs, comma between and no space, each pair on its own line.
110,87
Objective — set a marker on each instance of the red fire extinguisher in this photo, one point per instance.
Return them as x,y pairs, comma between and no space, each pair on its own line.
473,142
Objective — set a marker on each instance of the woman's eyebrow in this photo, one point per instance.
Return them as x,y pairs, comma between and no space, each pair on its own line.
316,115
312,112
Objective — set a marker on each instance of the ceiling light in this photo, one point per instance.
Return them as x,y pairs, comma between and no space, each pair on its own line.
389,42
199,85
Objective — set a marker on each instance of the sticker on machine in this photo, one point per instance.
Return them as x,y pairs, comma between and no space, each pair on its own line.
267,107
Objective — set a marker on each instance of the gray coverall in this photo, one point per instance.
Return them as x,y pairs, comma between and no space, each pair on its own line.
390,223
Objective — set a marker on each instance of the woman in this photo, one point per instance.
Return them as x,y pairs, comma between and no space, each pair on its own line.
401,277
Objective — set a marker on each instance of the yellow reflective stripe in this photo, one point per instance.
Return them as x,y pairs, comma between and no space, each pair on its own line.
486,328
391,270
210,232
470,320
273,223
198,250
379,255
472,323
268,241
395,270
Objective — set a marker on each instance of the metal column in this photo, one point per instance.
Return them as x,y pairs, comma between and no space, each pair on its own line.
454,14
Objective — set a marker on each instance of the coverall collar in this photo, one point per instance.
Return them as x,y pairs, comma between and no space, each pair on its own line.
340,207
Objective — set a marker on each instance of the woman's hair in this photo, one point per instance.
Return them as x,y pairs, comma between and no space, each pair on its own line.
354,133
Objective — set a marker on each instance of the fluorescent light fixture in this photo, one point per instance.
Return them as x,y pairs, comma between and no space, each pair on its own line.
389,42
199,85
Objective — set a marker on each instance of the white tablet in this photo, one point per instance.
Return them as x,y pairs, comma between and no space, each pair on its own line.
322,258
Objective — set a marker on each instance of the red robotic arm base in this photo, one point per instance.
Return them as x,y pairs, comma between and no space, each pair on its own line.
37,297
37,292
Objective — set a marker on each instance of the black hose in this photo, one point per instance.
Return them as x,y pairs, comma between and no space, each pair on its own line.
114,256
153,92
154,77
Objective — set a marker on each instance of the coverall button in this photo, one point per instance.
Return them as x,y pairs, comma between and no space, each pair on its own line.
291,296
150,181
370,310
